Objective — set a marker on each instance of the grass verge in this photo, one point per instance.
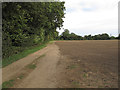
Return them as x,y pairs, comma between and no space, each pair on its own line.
20,55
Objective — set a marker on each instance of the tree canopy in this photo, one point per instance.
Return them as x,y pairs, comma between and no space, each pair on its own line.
66,35
29,23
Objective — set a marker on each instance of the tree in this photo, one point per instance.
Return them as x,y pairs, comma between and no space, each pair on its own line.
65,34
104,36
112,37
87,37
30,23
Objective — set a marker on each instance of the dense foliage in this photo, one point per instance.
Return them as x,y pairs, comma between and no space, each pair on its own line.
26,24
66,35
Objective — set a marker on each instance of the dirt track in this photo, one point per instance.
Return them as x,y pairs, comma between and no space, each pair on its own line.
43,76
67,64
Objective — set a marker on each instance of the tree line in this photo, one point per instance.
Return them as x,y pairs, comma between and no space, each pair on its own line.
26,24
66,35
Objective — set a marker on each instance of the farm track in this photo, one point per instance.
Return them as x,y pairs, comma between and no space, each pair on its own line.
68,64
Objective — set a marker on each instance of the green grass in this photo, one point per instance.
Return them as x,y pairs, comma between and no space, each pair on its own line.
31,66
20,55
7,84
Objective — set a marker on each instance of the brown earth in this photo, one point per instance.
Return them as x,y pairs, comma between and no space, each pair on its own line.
90,64
67,64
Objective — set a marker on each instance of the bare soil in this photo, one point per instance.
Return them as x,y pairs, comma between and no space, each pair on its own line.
90,64
67,64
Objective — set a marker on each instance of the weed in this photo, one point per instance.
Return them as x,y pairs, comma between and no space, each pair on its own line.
31,66
75,83
72,66
85,75
21,76
7,84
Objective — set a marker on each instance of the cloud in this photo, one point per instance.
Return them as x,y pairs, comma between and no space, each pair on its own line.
91,16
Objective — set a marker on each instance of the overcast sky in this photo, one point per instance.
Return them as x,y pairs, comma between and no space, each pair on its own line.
85,17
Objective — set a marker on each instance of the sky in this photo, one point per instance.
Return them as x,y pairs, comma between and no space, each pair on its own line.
84,17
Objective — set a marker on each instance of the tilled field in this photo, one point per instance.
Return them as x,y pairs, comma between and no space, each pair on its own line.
89,64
